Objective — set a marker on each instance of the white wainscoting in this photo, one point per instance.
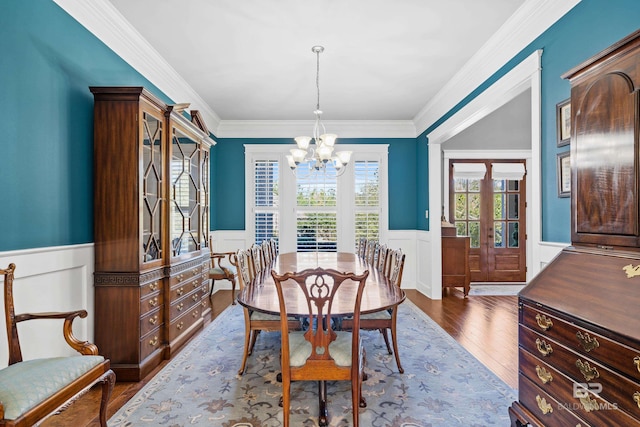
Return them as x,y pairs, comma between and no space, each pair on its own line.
49,279
548,251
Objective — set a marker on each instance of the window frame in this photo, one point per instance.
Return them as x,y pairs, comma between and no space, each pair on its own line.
345,222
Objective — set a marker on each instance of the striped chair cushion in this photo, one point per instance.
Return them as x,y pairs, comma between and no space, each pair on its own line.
300,349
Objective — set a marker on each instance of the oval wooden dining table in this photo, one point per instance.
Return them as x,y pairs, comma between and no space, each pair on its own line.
379,294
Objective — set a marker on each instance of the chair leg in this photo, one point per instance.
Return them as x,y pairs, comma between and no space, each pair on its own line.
108,380
395,340
383,331
245,353
254,337
211,288
233,290
286,400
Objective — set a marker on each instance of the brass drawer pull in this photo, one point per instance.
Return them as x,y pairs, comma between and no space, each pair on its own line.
545,407
589,404
153,320
544,348
154,286
195,272
153,302
195,297
636,398
196,313
179,277
195,284
543,374
636,361
180,291
587,371
587,342
153,342
180,325
544,322
180,306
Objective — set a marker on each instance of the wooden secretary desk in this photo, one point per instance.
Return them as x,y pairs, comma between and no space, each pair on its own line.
151,228
579,319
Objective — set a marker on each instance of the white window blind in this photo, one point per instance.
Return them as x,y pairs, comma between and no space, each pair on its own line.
367,199
316,210
266,200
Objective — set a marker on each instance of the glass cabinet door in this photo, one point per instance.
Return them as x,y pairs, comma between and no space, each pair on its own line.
152,195
185,198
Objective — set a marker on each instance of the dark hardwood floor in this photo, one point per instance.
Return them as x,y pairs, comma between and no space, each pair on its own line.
487,326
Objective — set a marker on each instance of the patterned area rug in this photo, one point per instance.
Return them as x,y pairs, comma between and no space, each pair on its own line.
443,384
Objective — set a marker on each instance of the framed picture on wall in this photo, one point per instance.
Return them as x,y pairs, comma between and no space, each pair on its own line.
564,174
563,122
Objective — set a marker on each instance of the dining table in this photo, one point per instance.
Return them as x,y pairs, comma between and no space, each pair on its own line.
379,294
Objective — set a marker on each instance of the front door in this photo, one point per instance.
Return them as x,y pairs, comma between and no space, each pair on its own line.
492,213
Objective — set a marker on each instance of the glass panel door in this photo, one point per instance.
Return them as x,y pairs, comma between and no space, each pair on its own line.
152,195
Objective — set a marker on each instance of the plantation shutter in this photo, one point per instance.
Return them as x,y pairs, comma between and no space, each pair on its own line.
316,210
266,200
367,199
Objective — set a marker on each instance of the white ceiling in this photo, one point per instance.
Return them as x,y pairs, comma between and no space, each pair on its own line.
252,59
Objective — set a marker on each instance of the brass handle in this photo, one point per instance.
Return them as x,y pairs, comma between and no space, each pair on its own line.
636,361
544,322
195,284
545,407
196,313
153,320
154,286
544,348
636,398
543,374
587,342
180,325
153,302
180,291
180,277
153,342
195,272
589,404
588,372
194,297
180,306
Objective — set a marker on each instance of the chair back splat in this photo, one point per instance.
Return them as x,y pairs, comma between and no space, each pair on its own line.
321,353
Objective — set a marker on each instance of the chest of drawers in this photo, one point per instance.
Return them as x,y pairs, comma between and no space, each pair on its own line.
579,342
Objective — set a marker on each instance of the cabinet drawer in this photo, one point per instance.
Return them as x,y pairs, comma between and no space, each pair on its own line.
182,323
544,407
616,389
183,288
184,304
150,343
150,321
150,302
611,353
150,287
191,273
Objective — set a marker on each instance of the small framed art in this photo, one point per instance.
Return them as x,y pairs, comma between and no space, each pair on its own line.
563,122
564,174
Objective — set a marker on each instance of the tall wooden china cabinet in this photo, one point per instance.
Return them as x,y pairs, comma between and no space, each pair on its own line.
579,330
151,225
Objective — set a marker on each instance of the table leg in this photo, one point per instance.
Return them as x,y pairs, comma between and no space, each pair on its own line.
323,415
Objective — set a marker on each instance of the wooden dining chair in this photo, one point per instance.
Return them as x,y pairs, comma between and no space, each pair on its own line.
381,262
362,247
223,267
321,353
385,320
254,321
372,246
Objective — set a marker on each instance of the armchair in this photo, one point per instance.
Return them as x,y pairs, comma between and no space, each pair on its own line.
33,390
223,267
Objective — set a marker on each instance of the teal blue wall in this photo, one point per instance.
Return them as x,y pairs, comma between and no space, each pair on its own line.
587,29
228,180
48,62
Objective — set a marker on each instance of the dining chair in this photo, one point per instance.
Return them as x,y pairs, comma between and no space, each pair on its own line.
362,247
372,247
381,262
385,320
257,262
254,321
267,256
321,353
223,267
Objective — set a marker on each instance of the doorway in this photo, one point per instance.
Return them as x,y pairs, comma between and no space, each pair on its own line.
489,206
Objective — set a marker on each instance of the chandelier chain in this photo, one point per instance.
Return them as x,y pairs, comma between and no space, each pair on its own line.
318,78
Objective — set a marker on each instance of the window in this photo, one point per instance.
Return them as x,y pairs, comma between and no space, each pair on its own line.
314,212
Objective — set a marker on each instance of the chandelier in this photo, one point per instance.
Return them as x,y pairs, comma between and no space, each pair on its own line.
317,158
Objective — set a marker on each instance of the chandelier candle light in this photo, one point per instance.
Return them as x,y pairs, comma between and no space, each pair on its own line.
318,157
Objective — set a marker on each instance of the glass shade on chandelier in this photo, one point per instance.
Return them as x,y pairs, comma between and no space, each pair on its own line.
323,153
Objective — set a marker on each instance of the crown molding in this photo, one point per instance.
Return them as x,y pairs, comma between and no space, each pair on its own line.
293,128
525,25
104,21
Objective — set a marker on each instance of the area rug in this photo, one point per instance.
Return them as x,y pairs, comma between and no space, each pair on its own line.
498,290
443,384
